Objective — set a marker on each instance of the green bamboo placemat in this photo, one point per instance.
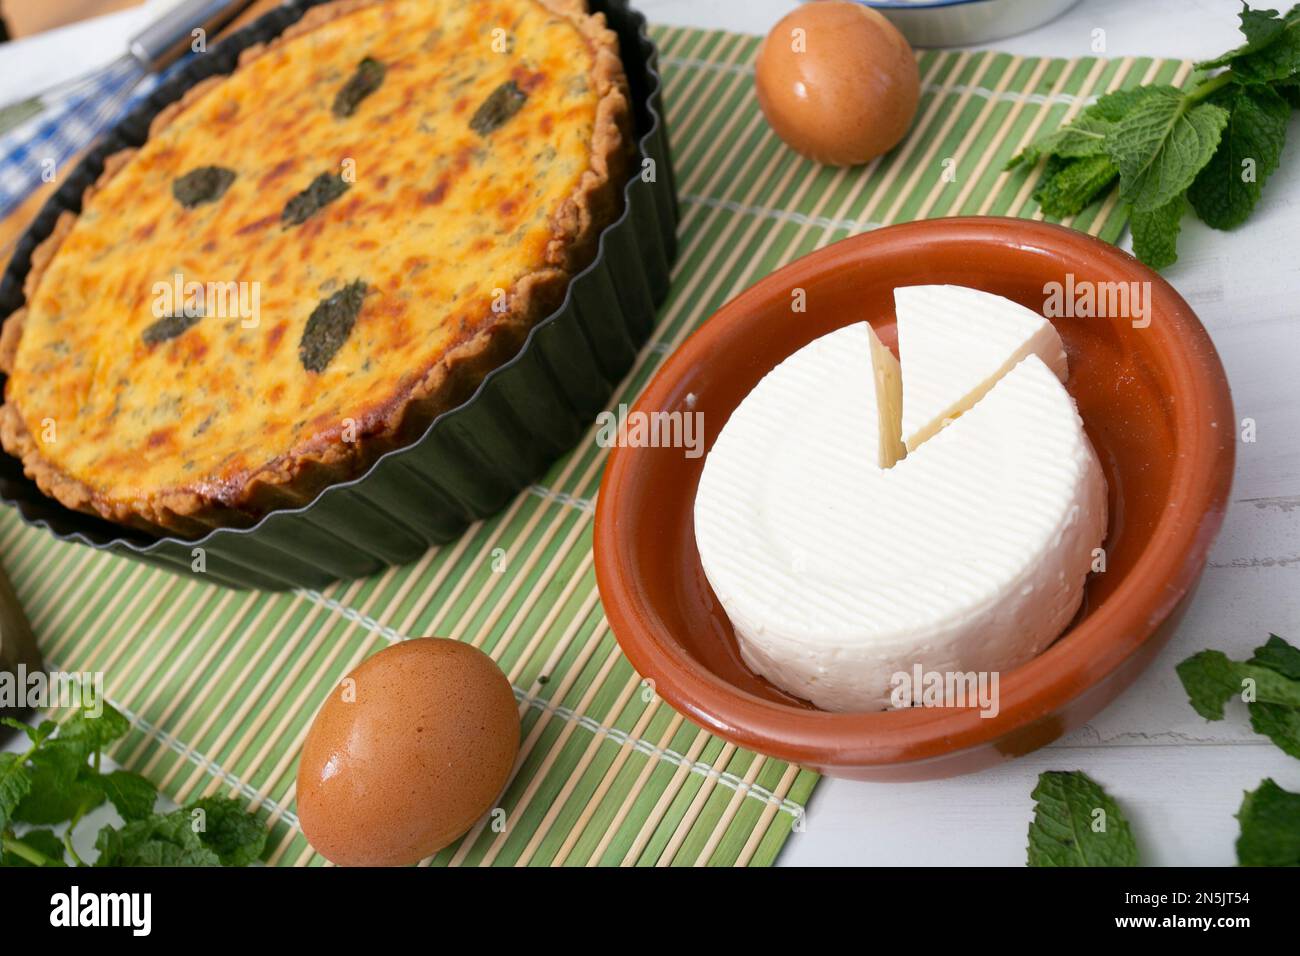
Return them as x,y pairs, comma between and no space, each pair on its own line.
221,685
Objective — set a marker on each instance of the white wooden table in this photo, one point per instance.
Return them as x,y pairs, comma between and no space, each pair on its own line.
1179,778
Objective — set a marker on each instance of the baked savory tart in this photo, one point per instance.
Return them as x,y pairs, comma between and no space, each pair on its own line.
312,257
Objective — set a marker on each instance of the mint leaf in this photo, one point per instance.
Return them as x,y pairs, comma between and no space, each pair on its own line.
1275,57
1270,827
1210,680
15,783
236,836
1077,824
1155,233
1279,724
1115,105
62,787
224,835
1086,136
1277,655
159,840
1162,144
1228,187
61,782
35,734
95,733
1289,90
131,794
1260,27
45,842
1069,185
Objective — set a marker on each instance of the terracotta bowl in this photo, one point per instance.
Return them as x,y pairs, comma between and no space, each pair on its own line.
1155,403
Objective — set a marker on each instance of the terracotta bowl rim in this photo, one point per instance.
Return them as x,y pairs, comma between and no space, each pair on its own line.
1171,561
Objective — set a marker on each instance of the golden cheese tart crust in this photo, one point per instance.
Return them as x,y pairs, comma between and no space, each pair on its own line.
311,258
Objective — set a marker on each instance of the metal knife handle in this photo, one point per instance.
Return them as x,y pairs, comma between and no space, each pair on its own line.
164,40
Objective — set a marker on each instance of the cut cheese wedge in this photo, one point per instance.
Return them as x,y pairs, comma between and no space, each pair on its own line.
955,343
838,572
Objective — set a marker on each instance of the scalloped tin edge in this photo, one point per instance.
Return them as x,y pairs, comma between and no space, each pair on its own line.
472,459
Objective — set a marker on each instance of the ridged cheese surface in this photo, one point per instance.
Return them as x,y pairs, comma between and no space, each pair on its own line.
956,343
836,573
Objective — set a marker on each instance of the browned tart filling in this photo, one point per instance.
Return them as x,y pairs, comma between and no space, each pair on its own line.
311,258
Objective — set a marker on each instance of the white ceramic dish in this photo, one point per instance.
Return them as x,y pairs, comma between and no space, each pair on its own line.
928,23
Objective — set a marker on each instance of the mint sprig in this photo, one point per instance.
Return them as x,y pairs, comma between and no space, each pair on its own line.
57,780
1211,146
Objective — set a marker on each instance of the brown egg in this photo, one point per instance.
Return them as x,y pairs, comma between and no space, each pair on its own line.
407,753
837,82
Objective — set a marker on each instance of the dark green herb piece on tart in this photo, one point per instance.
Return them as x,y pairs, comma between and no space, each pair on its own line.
329,326
324,189
502,103
205,184
169,327
368,78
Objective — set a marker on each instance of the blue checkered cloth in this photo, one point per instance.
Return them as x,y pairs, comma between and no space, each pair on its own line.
36,151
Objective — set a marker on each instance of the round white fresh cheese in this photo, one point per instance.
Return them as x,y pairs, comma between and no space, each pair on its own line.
838,571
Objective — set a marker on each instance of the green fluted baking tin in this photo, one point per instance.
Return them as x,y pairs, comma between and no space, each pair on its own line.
472,459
